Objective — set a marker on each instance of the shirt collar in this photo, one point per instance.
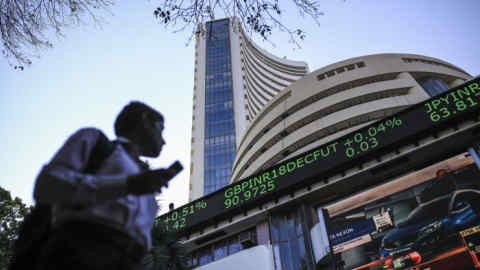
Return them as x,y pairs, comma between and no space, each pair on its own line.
130,147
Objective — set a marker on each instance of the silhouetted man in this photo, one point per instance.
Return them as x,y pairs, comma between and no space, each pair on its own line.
103,208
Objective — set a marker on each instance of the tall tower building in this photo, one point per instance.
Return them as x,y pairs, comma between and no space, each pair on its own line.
234,80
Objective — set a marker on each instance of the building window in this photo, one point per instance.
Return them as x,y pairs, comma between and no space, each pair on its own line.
434,86
288,241
360,64
204,257
321,77
223,248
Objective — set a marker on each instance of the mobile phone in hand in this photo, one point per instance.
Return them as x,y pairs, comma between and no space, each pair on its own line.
175,168
171,171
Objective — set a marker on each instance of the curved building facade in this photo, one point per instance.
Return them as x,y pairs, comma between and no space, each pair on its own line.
264,74
329,171
337,99
234,80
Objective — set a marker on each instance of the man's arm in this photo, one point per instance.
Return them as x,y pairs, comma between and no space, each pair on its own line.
63,180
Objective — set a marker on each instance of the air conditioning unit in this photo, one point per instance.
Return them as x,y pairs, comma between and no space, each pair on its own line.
247,239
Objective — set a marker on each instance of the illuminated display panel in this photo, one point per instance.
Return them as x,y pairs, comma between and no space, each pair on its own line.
331,157
422,213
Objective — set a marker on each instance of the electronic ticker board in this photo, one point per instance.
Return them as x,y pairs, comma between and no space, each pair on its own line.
457,103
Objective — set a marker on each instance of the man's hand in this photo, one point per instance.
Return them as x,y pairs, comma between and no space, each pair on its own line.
149,182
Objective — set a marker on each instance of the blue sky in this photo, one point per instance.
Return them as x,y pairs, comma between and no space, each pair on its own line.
92,73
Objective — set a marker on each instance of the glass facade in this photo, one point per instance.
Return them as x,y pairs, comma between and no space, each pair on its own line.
288,241
219,116
218,250
434,86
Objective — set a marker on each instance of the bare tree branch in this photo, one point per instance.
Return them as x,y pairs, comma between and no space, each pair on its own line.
260,17
25,24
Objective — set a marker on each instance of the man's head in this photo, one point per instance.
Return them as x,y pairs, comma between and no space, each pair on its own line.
142,125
